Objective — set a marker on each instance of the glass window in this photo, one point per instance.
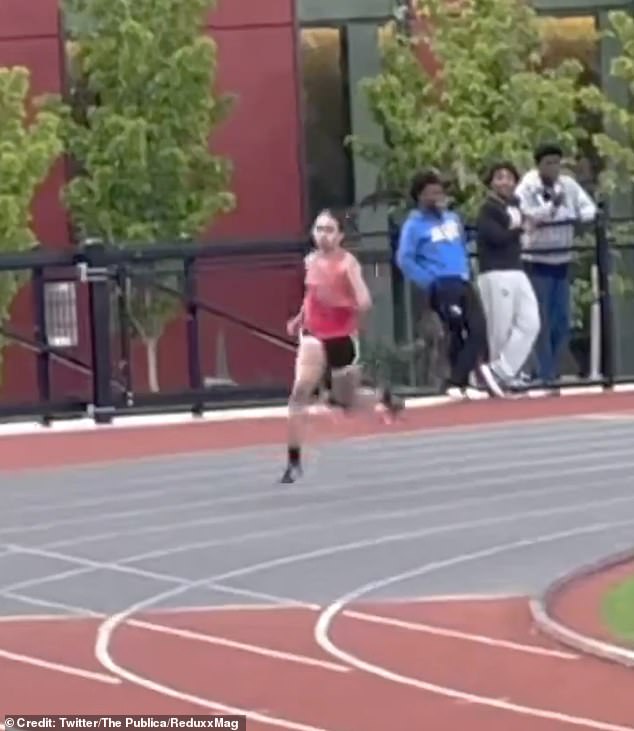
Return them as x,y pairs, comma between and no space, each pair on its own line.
75,88
326,102
74,85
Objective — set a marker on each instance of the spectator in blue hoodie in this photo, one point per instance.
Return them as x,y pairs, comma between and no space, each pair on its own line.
432,254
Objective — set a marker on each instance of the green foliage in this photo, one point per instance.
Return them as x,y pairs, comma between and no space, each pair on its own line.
616,148
617,610
383,363
616,144
28,150
138,126
147,172
490,96
472,83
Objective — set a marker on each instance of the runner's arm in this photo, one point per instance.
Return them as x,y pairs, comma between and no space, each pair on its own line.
294,325
360,288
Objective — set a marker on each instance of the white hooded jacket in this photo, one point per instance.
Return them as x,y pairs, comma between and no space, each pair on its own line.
577,206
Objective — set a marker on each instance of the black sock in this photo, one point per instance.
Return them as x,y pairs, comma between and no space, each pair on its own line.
294,457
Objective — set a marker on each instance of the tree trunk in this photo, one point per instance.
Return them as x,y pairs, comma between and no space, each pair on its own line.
151,351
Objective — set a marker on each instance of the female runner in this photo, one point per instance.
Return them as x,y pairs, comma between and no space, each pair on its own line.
327,324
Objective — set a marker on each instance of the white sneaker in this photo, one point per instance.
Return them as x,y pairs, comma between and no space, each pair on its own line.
458,394
491,381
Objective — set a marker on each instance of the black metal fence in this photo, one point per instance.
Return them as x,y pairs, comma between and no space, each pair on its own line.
99,314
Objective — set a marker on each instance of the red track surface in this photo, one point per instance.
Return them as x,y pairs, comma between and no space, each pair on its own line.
578,605
109,444
323,697
297,692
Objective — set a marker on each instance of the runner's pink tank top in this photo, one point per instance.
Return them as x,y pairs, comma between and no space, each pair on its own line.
329,304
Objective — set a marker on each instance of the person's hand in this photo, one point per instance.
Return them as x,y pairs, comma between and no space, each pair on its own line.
529,224
293,326
515,217
558,198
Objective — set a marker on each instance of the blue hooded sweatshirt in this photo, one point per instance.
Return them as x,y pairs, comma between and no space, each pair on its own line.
432,246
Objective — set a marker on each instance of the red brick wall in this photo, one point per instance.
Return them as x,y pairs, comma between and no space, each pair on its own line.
257,57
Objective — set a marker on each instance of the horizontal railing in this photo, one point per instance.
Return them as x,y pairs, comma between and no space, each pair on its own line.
108,272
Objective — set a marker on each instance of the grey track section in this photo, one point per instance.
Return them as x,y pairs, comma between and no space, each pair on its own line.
218,529
543,617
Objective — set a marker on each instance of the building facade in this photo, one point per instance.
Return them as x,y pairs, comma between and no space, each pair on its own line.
294,67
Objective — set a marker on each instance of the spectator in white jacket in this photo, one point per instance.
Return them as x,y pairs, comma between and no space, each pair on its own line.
546,197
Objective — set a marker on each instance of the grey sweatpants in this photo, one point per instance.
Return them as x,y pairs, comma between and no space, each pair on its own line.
512,315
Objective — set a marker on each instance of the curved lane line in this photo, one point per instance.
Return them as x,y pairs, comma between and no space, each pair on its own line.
108,628
326,618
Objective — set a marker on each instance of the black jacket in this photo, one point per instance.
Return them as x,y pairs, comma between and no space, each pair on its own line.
499,246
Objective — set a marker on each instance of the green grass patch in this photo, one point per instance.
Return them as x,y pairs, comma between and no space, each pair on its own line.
617,609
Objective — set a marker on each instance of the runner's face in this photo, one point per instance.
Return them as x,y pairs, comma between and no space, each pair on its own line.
326,233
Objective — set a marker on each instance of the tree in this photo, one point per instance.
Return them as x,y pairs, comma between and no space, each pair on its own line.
487,95
28,150
616,144
140,137
617,147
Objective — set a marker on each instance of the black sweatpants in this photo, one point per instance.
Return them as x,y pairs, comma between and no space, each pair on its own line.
458,305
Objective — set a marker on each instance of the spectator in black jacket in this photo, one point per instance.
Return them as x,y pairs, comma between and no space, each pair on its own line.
508,298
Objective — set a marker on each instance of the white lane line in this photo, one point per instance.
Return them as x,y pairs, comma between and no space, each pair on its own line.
382,515
109,627
10,589
94,565
17,618
274,603
459,635
340,490
325,621
502,596
205,638
184,585
196,478
89,566
59,667
613,416
159,612
275,600
596,460
73,612
243,646
279,602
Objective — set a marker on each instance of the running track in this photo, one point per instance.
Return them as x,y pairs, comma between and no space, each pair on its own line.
389,590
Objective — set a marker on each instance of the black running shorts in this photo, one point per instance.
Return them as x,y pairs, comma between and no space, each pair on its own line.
340,353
